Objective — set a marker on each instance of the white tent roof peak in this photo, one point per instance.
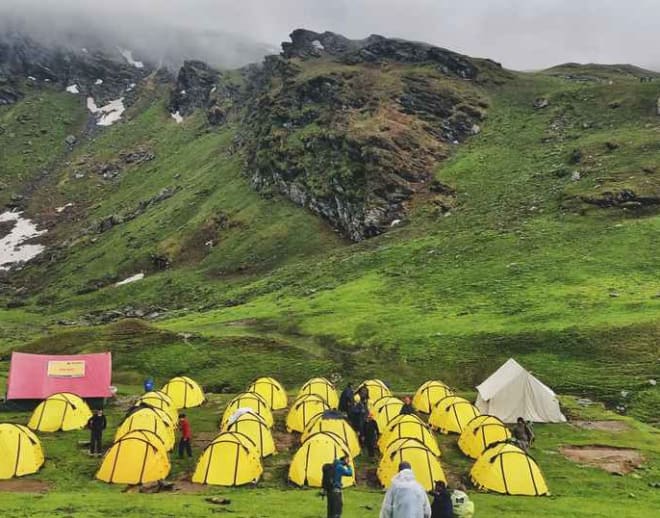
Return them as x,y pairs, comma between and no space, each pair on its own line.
511,391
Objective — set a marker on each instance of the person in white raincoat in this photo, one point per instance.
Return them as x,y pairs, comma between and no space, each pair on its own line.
405,498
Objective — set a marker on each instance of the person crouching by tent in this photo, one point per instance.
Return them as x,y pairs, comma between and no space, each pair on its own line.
442,506
371,434
406,497
523,434
96,424
186,436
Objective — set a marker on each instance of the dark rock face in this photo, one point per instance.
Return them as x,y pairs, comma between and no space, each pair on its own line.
310,44
199,86
355,144
102,74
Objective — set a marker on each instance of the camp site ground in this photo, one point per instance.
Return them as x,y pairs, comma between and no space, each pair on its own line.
597,464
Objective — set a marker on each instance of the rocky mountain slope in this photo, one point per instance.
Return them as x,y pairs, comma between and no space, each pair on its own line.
345,202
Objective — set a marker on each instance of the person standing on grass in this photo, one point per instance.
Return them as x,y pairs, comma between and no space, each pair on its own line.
342,468
405,498
347,399
407,408
186,436
442,506
371,434
96,424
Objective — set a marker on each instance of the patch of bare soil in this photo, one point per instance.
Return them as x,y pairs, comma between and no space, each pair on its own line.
19,485
243,322
602,426
285,441
202,439
619,461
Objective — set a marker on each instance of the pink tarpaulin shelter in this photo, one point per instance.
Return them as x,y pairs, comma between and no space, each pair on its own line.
37,376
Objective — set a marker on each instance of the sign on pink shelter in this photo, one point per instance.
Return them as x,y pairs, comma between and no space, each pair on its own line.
37,376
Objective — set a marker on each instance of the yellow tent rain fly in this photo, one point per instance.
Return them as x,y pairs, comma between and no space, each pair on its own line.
136,458
376,388
185,392
505,468
302,412
412,428
387,411
323,388
250,400
425,465
335,422
452,414
20,451
307,464
61,411
150,419
254,427
272,391
429,394
227,461
480,433
385,400
161,401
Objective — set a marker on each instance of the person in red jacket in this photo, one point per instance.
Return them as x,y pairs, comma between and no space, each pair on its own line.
186,436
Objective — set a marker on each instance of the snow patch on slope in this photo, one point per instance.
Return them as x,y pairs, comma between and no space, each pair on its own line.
177,117
109,114
73,89
13,247
132,278
128,56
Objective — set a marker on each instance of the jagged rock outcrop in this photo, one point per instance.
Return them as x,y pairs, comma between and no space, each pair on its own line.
99,73
354,145
200,86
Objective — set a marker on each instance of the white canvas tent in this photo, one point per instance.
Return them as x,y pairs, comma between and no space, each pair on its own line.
512,392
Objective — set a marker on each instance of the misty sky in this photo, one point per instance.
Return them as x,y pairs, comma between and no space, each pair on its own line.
522,34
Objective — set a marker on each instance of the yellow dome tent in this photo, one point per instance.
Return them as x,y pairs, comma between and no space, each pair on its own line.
505,468
376,388
61,411
20,451
323,388
228,461
429,394
480,433
452,414
409,427
302,412
159,400
375,405
138,457
250,400
307,463
254,427
151,419
272,391
387,411
334,422
185,392
425,465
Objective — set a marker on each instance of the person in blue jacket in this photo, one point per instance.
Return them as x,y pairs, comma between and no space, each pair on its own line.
342,468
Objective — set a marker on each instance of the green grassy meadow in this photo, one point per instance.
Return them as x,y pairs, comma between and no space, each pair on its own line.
69,488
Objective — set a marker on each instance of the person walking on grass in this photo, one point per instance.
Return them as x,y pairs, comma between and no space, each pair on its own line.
405,498
371,434
186,436
332,485
96,424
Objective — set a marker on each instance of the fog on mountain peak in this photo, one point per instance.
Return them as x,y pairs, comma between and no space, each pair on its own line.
523,34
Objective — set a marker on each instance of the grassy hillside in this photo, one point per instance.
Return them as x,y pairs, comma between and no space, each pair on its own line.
527,263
